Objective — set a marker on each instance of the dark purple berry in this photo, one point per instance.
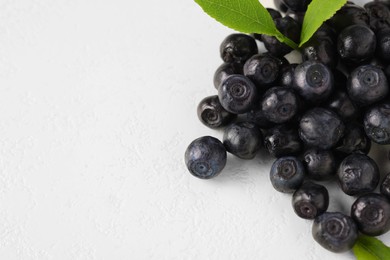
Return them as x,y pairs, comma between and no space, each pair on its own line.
313,81
205,157
358,174
282,140
385,186
287,174
372,214
262,69
320,164
349,14
243,139
379,15
238,47
377,123
286,78
310,200
354,140
335,231
280,104
383,45
367,84
320,49
356,44
321,128
237,94
340,103
226,70
212,114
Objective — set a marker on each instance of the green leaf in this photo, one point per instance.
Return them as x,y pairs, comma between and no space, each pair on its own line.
370,248
247,16
317,13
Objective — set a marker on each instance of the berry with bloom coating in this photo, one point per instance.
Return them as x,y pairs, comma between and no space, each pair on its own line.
287,174
310,200
238,94
372,214
205,157
320,127
335,231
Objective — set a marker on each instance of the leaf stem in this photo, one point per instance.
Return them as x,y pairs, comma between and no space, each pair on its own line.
287,41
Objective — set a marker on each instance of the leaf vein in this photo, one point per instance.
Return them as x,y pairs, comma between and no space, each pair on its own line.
257,20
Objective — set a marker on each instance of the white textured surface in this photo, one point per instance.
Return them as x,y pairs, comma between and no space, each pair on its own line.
97,105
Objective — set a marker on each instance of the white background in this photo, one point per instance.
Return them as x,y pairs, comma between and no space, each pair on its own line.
97,106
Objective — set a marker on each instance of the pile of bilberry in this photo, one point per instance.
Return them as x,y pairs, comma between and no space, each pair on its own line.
318,118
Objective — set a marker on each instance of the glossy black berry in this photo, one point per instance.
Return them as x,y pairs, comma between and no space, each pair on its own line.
212,114
238,47
320,49
243,139
379,15
224,71
280,104
367,84
321,128
287,174
288,27
371,213
320,164
377,123
205,157
237,94
358,174
385,186
383,45
310,200
297,5
356,44
354,140
262,69
313,81
282,140
349,14
335,231
340,103
286,78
